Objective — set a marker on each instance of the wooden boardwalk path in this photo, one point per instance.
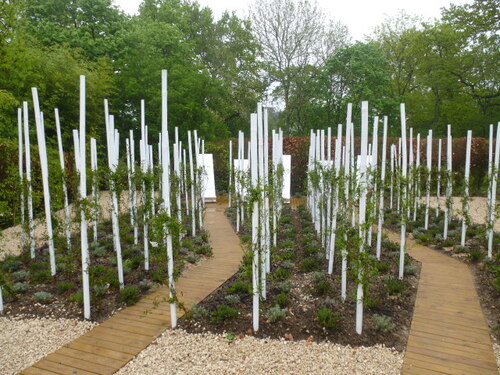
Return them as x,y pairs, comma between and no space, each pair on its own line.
109,346
449,333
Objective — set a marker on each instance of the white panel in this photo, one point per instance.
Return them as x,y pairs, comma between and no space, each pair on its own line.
208,180
287,166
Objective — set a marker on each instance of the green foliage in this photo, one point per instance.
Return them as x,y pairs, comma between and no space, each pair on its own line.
11,264
275,314
192,258
383,323
410,269
199,312
239,287
130,295
309,264
203,250
394,286
475,255
65,286
328,319
43,297
233,299
223,313
282,300
42,277
281,273
284,286
322,288
21,275
77,297
20,287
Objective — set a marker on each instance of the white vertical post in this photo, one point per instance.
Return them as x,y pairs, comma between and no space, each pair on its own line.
191,173
338,147
429,171
21,175
438,191
230,172
494,181
83,195
362,211
382,187
448,212
93,166
31,221
466,187
416,202
166,193
133,198
261,182
40,132
404,216
67,213
255,222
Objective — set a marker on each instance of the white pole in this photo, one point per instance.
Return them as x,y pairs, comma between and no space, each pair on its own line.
382,187
133,198
338,147
391,188
448,212
83,195
21,176
362,210
191,173
31,221
429,170
255,222
267,228
494,194
466,187
348,176
93,166
67,213
166,193
416,202
404,197
40,132
438,193
1,299
261,182
230,172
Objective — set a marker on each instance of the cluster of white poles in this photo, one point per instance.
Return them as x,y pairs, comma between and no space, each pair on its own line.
257,194
185,189
332,202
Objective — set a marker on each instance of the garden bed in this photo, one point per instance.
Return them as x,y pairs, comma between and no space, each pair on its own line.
30,290
304,302
486,272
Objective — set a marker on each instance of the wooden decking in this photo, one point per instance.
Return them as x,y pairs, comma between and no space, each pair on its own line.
449,333
109,346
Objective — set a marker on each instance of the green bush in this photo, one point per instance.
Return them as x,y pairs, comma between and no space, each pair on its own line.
77,297
475,255
389,245
328,319
192,258
42,277
282,300
275,313
383,323
39,266
239,287
284,286
322,288
287,264
43,297
204,250
199,312
496,284
288,244
394,286
100,290
382,267
281,273
64,286
187,243
21,287
21,275
410,269
130,295
233,299
11,264
223,313
246,238
309,264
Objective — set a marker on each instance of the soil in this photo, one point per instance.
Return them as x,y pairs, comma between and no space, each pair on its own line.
300,321
486,272
105,293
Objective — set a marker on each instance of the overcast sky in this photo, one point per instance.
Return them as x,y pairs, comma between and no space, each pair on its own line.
361,16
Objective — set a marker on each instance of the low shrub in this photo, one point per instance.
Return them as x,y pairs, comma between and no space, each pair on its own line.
42,277
199,312
77,297
475,255
130,295
21,275
21,287
328,319
275,313
282,300
192,258
284,286
410,269
394,286
233,299
383,323
64,286
239,287
281,273
309,264
11,264
204,250
223,313
321,288
100,290
43,297
382,267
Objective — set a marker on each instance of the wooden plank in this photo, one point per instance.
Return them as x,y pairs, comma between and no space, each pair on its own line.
102,351
60,369
108,345
446,366
81,364
91,357
35,371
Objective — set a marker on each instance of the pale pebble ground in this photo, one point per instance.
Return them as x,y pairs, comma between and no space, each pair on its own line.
25,341
177,352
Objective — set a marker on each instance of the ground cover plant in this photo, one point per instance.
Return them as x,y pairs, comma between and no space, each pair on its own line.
304,301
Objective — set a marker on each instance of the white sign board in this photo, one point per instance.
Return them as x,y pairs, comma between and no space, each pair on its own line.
238,172
208,179
287,171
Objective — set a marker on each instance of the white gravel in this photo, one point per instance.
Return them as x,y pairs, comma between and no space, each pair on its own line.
178,352
24,341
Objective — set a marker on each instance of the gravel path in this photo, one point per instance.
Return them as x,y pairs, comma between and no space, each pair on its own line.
177,352
25,341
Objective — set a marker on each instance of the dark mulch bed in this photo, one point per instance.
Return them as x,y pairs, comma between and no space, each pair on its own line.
486,271
312,290
22,276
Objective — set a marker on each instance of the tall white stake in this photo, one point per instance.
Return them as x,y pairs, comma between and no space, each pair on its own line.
448,212
40,132
21,176
438,192
428,185
31,221
255,222
404,216
466,187
382,188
